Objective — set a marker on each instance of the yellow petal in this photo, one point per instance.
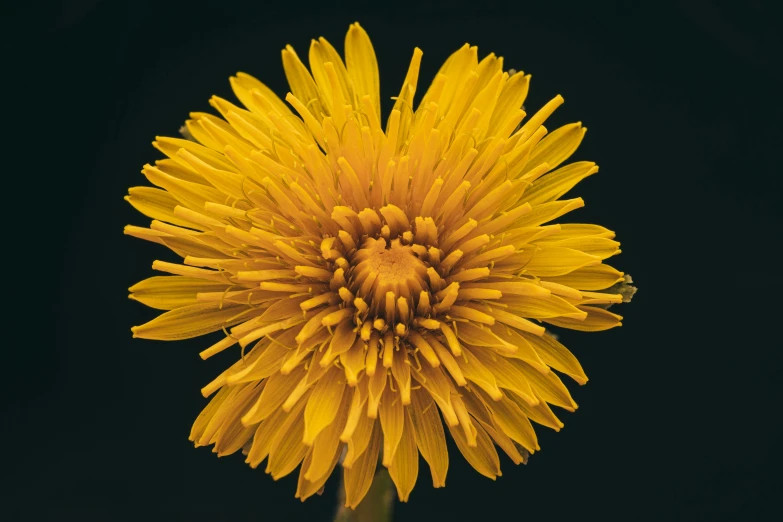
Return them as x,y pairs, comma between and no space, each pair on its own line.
476,372
472,314
228,183
224,135
549,387
342,340
411,77
546,212
232,435
569,230
483,457
511,98
541,413
154,236
597,277
514,321
353,361
440,389
392,414
296,395
268,362
306,488
477,336
597,298
278,388
504,442
601,247
207,413
324,404
244,83
555,148
512,421
543,307
358,478
188,271
524,350
314,324
157,204
187,247
404,104
170,292
522,237
401,371
478,409
253,128
327,445
330,54
523,287
219,416
360,440
248,337
265,435
302,84
404,468
362,66
313,124
375,387
190,321
534,124
553,185
192,195
486,99
321,53
597,319
557,261
557,356
501,222
448,361
316,370
355,410
287,450
508,375
170,147
465,421
197,130
175,169
456,69
430,437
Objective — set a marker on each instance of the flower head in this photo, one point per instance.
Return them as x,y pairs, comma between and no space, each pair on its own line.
377,284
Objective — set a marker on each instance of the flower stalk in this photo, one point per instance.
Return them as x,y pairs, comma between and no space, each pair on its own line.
377,506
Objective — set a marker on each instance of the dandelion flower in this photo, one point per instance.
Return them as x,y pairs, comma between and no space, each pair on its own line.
379,286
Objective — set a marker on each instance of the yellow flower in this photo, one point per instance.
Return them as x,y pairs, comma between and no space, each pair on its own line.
379,283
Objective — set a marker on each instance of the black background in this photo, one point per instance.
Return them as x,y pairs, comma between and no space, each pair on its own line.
680,419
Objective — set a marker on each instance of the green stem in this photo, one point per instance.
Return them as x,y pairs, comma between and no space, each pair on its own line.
377,506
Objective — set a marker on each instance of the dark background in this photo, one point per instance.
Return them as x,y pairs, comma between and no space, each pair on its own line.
680,419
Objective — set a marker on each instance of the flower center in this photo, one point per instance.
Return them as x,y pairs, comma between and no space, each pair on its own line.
386,272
